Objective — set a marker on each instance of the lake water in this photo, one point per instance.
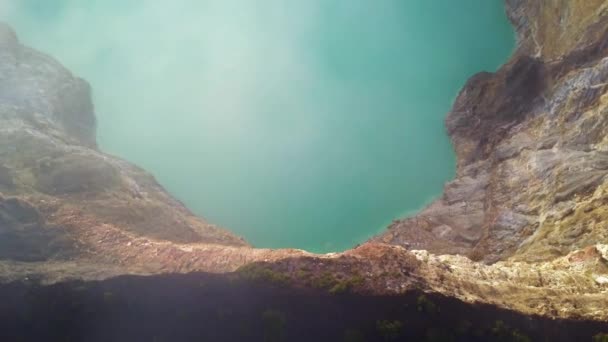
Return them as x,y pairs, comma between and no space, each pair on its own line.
309,124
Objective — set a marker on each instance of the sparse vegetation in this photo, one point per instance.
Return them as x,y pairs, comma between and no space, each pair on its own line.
333,284
247,311
262,273
601,337
425,305
303,275
502,332
325,281
347,284
389,330
477,254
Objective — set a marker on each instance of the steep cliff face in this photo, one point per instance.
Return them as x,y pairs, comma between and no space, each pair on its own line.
531,145
528,204
50,164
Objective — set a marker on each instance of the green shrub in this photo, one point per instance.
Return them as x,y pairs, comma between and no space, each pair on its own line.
340,287
325,281
260,273
334,285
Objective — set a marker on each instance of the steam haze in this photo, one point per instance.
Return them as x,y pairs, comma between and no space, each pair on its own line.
308,124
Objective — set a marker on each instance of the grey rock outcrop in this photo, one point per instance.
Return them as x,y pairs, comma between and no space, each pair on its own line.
49,162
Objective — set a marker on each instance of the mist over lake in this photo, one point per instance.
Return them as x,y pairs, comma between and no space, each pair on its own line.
306,124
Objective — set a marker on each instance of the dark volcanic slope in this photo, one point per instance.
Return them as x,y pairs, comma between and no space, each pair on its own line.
159,308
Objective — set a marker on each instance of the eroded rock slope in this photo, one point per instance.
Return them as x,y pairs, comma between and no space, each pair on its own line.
50,164
532,146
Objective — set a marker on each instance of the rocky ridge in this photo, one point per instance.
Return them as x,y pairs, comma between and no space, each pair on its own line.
527,205
531,145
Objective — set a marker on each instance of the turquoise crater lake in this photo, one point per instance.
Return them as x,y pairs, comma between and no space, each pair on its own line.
308,124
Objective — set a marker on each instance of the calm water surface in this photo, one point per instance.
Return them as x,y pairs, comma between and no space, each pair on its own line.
308,124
